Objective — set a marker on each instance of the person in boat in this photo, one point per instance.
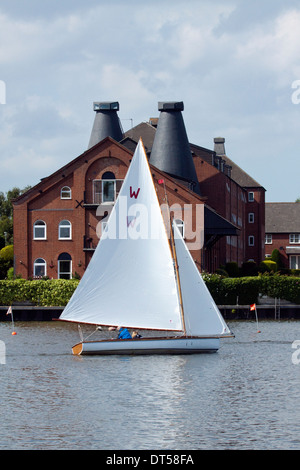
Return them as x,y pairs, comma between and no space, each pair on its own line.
123,333
135,334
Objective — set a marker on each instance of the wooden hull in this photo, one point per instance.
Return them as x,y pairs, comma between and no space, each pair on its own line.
178,345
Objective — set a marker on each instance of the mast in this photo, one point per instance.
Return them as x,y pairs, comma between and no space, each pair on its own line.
175,262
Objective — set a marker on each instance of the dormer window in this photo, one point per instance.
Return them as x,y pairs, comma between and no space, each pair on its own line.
65,193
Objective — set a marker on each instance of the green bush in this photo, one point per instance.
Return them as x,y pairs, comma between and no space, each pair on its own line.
7,253
225,291
249,268
6,260
282,287
268,266
277,257
229,291
245,290
54,292
10,273
232,269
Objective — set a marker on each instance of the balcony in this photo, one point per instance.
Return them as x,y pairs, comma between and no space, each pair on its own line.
104,191
89,244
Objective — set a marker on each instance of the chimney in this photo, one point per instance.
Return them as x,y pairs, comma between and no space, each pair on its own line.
220,163
219,146
106,123
171,149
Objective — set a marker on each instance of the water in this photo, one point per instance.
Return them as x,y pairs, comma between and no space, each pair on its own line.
244,397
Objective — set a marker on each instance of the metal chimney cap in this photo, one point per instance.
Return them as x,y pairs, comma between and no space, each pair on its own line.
170,106
106,106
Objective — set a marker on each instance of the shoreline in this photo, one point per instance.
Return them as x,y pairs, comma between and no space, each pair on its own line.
229,312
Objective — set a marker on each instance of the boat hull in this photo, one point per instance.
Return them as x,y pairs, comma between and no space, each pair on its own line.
148,346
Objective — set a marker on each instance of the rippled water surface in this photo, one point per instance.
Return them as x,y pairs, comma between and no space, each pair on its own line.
244,397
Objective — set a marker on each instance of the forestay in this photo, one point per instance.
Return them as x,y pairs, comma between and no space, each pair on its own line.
130,279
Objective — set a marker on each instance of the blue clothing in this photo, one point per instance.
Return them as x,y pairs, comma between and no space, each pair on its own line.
124,333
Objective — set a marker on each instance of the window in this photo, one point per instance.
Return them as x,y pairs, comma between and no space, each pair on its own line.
295,262
268,239
251,217
39,230
106,190
39,268
294,237
251,240
180,225
251,196
64,266
64,230
66,193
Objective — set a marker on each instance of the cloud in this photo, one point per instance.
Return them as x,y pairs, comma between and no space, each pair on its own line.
232,63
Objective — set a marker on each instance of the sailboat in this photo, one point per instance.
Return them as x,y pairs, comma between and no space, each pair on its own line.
138,279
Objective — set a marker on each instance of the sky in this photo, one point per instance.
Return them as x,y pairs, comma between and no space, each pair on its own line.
235,64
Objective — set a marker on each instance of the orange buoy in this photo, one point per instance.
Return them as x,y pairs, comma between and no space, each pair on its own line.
14,333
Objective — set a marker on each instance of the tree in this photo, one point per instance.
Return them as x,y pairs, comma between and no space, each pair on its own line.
6,214
6,260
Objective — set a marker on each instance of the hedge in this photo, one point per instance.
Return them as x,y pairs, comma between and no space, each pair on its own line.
54,292
225,291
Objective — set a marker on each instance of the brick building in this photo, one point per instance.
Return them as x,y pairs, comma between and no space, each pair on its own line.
57,223
283,232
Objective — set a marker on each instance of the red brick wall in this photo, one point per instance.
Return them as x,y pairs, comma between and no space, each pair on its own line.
279,241
43,202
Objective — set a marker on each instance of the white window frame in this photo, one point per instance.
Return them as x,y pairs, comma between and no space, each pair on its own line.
294,261
251,196
63,224
65,192
251,217
251,240
98,188
39,262
39,225
268,239
294,238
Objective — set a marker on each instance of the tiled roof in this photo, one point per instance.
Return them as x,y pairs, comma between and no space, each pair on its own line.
143,130
282,217
147,132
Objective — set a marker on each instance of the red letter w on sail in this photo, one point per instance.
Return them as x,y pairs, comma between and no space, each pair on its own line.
133,193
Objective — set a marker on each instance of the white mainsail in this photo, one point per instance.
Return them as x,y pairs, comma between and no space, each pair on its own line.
201,314
130,279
